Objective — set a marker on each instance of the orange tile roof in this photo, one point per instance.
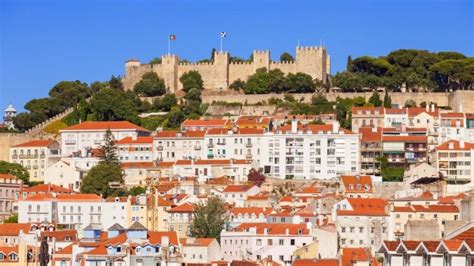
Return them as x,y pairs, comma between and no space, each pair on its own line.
430,245
223,180
367,135
155,237
250,210
35,143
411,245
365,207
259,196
64,197
451,199
418,139
274,229
61,235
185,207
166,134
452,245
391,245
184,134
138,140
465,235
65,250
206,123
237,188
45,188
137,165
316,262
357,184
165,164
452,115
395,111
369,109
98,251
7,176
104,125
200,242
414,111
351,255
456,144
14,229
429,208
6,250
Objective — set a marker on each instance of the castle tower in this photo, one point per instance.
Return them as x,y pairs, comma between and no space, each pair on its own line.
261,59
314,61
221,70
8,116
169,68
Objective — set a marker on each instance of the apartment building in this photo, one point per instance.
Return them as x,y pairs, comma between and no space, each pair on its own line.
367,117
36,156
81,138
405,150
237,170
455,160
357,186
139,149
74,211
180,217
240,143
371,149
310,152
259,241
205,124
452,126
175,145
200,250
9,193
362,222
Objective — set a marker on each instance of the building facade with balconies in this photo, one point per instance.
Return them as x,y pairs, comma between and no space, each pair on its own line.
455,160
36,156
174,145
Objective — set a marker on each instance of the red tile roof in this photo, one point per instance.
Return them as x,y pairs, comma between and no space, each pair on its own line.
365,207
61,235
104,125
7,176
357,184
138,140
371,110
185,207
316,262
368,134
206,123
351,255
45,188
13,229
35,143
200,242
250,210
418,139
275,229
137,165
237,188
429,208
456,145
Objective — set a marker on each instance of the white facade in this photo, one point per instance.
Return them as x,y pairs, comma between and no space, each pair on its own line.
250,245
206,169
313,152
201,252
172,145
72,211
90,135
69,172
139,149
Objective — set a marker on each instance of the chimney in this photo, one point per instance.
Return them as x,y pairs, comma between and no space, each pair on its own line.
294,126
287,231
71,188
450,145
461,144
427,107
335,127
432,107
374,130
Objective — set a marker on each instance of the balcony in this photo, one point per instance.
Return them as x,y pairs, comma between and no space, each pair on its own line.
14,156
160,147
35,167
248,145
28,167
42,156
210,145
197,147
210,156
70,141
248,156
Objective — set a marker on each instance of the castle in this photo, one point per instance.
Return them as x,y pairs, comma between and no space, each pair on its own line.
220,73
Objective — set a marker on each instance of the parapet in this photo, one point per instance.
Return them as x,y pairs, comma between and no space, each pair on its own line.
261,51
196,64
308,48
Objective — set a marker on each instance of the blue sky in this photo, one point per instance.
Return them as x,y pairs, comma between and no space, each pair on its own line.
45,41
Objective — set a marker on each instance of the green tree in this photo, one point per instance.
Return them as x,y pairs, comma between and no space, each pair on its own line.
137,190
16,170
115,83
209,219
390,173
174,118
387,100
375,99
96,86
155,60
286,57
12,219
99,178
347,81
25,121
165,103
68,94
150,85
349,66
114,105
237,85
298,83
46,106
191,80
109,149
410,103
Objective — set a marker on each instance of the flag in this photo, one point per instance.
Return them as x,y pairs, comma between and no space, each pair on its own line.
223,34
172,37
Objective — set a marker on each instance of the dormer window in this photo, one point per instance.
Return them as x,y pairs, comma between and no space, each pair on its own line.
119,248
13,257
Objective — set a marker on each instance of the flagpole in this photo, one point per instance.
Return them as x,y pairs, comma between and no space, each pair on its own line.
221,42
169,45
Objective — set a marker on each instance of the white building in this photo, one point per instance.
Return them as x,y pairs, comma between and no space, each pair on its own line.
362,222
455,160
8,115
201,250
207,169
36,156
74,211
139,149
310,152
236,194
174,145
69,171
242,143
256,242
88,135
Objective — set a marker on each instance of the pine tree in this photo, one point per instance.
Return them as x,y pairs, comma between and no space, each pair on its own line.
109,149
349,66
387,101
375,99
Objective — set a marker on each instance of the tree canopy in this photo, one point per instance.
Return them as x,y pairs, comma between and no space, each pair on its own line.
209,219
275,81
286,57
150,85
191,80
109,149
113,105
16,170
99,177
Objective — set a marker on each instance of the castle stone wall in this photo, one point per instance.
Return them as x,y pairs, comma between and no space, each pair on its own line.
218,75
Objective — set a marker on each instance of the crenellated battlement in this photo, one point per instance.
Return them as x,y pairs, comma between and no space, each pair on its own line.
312,60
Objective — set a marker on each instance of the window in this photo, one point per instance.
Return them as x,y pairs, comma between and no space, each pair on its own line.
282,258
270,242
343,229
259,242
281,242
292,242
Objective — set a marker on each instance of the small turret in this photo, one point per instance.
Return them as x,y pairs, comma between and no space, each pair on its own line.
8,116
